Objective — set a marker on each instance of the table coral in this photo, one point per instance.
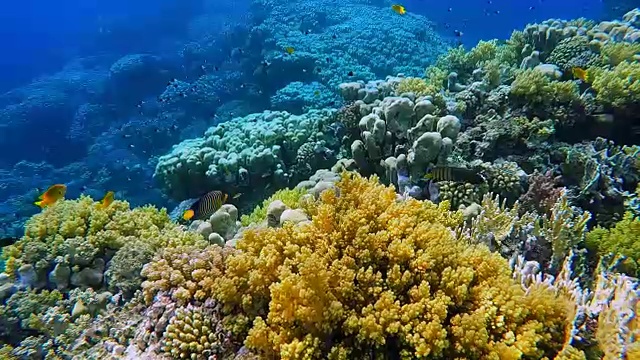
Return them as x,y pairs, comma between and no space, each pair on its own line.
371,276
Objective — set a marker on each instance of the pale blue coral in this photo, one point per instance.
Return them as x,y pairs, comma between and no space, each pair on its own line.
253,150
298,97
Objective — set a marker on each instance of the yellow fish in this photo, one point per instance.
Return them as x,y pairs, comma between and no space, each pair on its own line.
289,50
399,9
53,194
107,200
579,73
205,206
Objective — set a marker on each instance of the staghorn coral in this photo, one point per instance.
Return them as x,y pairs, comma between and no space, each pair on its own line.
372,277
563,229
621,240
77,235
616,301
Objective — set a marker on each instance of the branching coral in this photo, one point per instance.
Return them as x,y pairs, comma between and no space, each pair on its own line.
618,87
621,240
195,332
372,277
185,272
417,86
534,87
614,53
564,228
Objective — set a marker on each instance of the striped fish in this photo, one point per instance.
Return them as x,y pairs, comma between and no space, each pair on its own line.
204,207
457,174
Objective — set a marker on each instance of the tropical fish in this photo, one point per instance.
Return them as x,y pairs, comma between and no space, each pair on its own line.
8,241
53,194
458,174
107,200
205,206
289,50
579,73
399,9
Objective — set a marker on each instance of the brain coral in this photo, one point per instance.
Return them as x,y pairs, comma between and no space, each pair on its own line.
73,241
373,277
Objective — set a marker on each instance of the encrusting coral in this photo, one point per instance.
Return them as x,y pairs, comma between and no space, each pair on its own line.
372,276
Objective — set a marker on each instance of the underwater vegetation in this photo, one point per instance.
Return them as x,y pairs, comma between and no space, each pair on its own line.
337,192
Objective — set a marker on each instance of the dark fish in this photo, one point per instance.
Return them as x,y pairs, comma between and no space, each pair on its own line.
457,174
350,73
8,241
204,207
458,33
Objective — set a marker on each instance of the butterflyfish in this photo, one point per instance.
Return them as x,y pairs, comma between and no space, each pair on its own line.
107,199
53,194
399,9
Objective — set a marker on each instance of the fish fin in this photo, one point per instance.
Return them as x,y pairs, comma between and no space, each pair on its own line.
434,191
8,241
39,203
188,215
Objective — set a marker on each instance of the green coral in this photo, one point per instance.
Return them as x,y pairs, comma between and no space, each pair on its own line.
194,333
621,240
76,233
504,179
459,194
418,86
566,50
618,87
535,88
290,197
614,53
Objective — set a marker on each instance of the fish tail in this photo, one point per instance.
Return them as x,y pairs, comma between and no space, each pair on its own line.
39,203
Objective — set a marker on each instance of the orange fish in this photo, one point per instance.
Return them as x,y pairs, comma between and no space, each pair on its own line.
53,194
107,200
579,73
289,50
399,9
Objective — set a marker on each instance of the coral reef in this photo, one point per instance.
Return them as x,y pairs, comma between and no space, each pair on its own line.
247,153
369,273
71,244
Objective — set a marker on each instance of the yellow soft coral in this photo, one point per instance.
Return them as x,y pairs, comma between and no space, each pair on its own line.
77,232
371,276
618,87
187,272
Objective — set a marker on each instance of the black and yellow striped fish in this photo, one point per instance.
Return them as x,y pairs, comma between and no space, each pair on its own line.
457,174
204,207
